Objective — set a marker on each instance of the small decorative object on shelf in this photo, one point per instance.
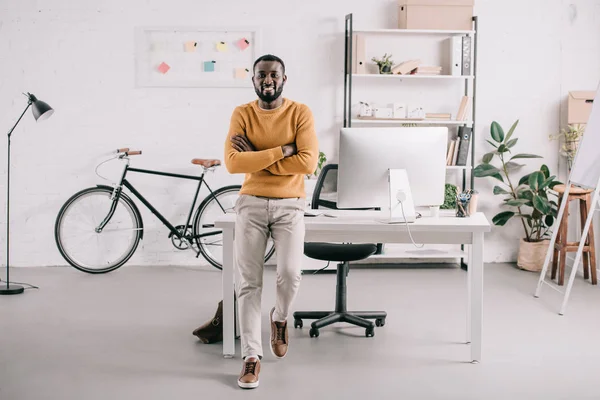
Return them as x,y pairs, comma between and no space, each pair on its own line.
385,63
571,137
365,110
449,197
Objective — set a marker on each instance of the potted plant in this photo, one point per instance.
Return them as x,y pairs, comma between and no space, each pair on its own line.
384,63
571,136
528,200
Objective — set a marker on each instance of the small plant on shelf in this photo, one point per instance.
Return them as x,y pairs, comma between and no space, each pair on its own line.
571,137
385,63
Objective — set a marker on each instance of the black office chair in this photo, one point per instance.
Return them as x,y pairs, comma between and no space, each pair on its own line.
324,196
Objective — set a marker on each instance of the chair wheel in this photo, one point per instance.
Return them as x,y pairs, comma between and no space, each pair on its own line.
370,332
313,332
298,323
380,322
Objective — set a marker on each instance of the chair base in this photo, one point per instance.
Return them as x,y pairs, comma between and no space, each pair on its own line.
324,318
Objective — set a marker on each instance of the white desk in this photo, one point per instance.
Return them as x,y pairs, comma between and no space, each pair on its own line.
361,227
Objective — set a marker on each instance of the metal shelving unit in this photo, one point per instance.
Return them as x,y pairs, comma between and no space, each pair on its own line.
348,121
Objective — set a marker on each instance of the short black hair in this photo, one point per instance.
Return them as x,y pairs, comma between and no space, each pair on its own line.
269,57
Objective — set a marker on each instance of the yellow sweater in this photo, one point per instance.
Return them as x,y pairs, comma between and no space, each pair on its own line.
268,173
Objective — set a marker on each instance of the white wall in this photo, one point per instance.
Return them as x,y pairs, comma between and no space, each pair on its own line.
79,57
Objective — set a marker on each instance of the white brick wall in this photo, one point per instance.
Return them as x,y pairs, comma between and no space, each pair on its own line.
79,57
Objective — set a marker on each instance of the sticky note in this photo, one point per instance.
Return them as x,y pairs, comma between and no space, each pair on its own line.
243,44
163,68
241,73
190,46
222,47
209,66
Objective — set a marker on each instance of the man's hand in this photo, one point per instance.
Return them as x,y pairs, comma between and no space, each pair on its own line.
289,150
241,143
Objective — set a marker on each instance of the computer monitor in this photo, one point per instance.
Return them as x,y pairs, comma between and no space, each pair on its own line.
367,155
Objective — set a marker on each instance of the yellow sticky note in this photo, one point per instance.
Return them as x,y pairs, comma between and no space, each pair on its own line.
190,46
241,73
222,47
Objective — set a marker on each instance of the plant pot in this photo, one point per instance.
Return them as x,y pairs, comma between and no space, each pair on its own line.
532,255
386,69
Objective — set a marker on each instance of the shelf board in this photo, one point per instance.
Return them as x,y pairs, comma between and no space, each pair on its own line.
413,31
397,76
410,121
393,252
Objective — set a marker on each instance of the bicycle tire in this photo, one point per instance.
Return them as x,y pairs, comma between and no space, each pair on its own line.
103,192
204,250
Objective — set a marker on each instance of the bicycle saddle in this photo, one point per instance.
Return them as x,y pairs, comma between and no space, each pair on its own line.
206,163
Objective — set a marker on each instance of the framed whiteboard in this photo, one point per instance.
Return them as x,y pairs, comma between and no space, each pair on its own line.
585,171
195,57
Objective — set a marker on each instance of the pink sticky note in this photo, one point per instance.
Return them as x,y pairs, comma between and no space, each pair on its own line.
241,73
243,44
163,68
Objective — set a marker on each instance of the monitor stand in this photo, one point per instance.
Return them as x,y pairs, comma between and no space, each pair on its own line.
401,208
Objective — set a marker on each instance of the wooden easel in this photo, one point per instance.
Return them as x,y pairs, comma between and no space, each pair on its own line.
584,173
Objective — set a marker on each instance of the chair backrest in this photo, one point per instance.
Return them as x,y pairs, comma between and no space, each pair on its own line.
325,193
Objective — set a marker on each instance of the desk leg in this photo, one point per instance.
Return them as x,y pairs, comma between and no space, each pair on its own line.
228,295
476,294
469,279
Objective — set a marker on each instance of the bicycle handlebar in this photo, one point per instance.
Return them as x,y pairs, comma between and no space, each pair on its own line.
123,150
133,153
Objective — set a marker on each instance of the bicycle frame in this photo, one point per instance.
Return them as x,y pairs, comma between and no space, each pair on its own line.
173,229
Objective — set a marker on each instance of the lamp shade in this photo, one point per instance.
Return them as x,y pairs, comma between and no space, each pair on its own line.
41,110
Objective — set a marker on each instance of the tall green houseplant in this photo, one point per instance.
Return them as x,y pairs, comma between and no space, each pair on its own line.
528,199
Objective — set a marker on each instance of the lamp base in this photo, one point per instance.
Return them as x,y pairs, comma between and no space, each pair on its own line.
12,289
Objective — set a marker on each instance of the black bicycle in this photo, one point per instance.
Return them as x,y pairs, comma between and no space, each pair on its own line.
99,228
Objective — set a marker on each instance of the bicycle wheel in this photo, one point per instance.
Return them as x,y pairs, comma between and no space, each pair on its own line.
221,201
88,250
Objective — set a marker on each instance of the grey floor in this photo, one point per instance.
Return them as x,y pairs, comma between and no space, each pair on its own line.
127,335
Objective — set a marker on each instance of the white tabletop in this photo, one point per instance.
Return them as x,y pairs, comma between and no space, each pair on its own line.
334,220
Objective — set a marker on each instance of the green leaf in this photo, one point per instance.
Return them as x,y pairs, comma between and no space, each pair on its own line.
511,130
535,179
502,148
549,220
524,155
545,171
547,182
511,143
485,170
517,202
541,204
502,218
488,157
497,132
492,143
513,166
524,179
499,190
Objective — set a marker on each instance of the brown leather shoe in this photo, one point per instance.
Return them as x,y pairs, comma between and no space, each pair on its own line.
279,337
249,376
212,330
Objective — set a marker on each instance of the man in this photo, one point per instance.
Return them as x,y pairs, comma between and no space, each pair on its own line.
273,141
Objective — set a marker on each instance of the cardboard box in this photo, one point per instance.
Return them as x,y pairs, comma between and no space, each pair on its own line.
580,106
436,14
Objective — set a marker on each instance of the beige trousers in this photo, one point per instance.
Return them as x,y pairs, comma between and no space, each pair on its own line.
257,219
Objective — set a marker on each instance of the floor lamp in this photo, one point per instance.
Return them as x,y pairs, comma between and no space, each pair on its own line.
41,111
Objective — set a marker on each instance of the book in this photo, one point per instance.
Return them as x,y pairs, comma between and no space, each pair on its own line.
406,67
450,153
456,147
464,133
461,115
441,116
